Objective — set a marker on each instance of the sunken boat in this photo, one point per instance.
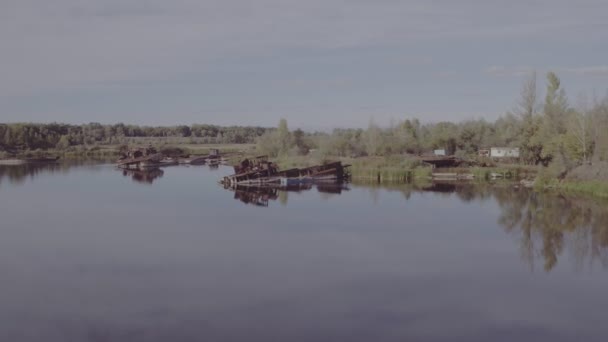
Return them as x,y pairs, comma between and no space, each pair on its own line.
260,170
141,158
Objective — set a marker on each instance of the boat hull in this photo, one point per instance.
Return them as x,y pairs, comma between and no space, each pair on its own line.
332,172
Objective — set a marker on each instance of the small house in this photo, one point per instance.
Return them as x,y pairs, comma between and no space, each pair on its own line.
504,152
439,152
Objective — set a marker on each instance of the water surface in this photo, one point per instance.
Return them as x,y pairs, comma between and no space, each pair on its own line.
90,253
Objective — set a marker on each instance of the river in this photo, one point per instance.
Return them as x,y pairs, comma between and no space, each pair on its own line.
90,253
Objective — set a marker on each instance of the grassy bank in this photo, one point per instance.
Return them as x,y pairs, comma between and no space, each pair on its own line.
589,180
389,174
372,169
399,169
597,189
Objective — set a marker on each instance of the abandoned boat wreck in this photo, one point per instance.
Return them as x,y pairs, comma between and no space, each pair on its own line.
142,158
261,171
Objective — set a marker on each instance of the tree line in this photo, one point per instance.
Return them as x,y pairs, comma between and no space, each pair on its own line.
547,131
31,136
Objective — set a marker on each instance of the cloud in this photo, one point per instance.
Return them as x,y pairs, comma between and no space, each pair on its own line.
599,70
518,71
67,43
504,71
242,53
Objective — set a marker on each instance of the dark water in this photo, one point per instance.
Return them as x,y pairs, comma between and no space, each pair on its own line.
88,253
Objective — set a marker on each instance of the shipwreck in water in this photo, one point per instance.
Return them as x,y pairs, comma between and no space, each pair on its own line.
260,170
141,158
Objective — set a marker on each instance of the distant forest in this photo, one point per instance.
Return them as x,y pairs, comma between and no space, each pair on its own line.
31,136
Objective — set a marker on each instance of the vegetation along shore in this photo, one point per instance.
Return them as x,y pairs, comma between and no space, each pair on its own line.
559,145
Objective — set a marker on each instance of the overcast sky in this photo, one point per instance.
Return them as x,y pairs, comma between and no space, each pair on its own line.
317,63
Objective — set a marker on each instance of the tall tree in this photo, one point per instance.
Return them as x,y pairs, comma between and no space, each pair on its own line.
373,139
528,103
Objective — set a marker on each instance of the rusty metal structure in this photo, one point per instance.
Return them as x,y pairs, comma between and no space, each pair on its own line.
260,170
140,158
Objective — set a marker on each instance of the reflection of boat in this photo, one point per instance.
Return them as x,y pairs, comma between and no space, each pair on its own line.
261,195
143,176
21,161
261,171
331,188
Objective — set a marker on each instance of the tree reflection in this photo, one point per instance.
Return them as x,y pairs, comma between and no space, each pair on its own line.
547,225
19,174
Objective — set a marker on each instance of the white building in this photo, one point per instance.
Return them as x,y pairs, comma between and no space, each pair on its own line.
504,152
439,152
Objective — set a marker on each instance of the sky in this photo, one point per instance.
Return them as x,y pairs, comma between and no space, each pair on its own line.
316,63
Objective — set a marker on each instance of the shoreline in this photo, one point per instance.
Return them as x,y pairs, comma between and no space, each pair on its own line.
379,170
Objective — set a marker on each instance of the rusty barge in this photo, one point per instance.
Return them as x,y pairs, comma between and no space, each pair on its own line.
141,158
260,170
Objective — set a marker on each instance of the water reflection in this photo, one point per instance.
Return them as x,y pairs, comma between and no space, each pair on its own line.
547,226
86,258
19,174
143,176
262,195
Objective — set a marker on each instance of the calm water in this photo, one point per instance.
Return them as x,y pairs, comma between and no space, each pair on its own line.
88,253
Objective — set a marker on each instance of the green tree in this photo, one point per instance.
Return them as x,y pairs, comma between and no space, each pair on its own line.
284,138
373,140
64,142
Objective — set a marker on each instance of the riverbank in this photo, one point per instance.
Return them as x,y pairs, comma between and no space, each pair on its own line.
383,170
591,188
588,179
399,169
